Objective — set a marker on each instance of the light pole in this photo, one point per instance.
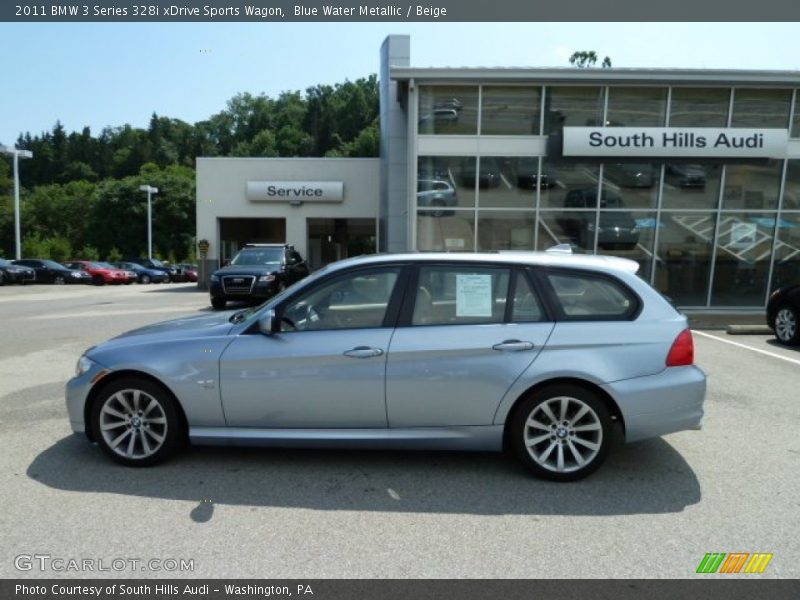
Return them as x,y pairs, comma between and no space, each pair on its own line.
17,154
150,191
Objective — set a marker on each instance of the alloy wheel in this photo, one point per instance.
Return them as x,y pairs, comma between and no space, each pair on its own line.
59,280
785,325
133,424
563,434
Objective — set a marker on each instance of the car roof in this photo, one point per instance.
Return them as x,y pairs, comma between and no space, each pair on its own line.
519,257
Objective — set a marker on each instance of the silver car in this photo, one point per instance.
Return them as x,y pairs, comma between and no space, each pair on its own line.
548,354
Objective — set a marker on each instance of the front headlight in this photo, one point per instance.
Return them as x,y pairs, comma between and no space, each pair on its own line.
267,278
215,278
75,274
84,364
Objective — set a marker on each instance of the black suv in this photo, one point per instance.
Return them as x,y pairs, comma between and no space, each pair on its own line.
257,272
153,263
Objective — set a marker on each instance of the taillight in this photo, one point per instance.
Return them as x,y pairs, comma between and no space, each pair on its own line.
682,352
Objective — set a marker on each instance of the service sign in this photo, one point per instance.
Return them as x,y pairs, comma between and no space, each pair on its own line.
684,142
295,191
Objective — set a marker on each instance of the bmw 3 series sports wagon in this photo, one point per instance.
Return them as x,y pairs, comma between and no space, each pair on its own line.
548,354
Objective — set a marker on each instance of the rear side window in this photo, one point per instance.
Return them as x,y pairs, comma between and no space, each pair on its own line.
460,295
584,297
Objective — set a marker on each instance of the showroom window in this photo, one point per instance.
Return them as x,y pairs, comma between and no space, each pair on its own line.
791,187
761,108
786,270
796,116
506,230
699,107
636,106
446,182
691,185
634,184
752,186
563,177
508,182
451,231
448,110
510,110
568,106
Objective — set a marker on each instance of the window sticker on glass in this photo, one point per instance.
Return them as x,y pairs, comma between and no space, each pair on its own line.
473,295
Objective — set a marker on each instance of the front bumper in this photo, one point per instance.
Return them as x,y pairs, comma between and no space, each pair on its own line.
76,393
655,405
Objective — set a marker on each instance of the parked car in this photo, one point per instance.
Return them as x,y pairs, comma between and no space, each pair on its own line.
257,272
685,175
49,271
143,274
616,229
528,177
783,314
435,193
188,271
488,174
154,263
101,272
552,355
631,175
11,273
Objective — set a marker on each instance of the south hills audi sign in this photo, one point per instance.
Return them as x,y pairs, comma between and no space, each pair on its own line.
688,142
295,192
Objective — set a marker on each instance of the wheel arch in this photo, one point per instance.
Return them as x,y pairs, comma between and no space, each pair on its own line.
605,397
116,375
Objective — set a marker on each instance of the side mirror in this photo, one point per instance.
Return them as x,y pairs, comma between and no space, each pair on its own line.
268,323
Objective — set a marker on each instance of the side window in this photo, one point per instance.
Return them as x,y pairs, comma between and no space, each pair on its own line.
353,301
457,295
585,296
526,307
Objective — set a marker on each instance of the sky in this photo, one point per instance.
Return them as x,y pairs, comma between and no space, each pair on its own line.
109,74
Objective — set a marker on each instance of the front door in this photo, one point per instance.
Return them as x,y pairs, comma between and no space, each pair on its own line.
326,367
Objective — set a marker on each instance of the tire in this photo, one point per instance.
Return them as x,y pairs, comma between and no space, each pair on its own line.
218,303
787,328
124,425
438,212
97,280
145,279
59,280
552,449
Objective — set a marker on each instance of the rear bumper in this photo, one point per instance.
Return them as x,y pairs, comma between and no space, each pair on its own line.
659,404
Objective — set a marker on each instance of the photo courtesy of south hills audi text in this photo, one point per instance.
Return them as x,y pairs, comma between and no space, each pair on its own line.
125,590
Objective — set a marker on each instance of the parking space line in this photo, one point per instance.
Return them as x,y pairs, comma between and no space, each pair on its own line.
767,353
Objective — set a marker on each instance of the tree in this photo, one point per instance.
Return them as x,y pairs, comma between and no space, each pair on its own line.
587,58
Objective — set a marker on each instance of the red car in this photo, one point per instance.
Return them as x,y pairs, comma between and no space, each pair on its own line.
188,271
102,272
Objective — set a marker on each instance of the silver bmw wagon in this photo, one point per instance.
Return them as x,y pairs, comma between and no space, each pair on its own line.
550,355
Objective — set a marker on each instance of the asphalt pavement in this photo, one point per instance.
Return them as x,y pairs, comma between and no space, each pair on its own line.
653,510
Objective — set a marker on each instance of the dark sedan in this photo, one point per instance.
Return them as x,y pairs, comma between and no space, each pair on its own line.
144,274
783,312
49,271
11,273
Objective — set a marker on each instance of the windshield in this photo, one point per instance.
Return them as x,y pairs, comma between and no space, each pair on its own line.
4,262
156,262
258,256
102,265
53,264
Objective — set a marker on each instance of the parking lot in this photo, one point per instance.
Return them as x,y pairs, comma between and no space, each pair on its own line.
653,510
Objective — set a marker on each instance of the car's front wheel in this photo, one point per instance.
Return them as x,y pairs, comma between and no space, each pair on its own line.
561,432
145,279
136,423
786,326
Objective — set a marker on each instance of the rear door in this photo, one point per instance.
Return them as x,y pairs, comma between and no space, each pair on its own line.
467,333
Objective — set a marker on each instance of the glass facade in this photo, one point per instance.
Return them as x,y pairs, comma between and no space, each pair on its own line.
705,232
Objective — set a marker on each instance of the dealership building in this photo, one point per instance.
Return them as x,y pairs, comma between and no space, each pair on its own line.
694,174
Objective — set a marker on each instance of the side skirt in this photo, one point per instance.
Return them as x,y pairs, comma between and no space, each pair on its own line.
485,438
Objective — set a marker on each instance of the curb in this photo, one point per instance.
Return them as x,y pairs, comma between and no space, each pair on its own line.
748,330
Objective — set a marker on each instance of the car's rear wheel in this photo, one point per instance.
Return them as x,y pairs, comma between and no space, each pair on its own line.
786,326
218,303
561,432
59,280
136,423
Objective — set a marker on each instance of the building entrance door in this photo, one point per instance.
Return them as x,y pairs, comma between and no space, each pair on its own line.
330,240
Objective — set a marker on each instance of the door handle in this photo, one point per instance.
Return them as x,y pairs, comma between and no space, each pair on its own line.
513,346
363,352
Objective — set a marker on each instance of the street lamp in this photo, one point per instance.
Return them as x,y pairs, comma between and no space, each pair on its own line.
150,191
17,154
